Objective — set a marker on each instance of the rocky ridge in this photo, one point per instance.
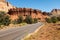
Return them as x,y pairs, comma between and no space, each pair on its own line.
55,12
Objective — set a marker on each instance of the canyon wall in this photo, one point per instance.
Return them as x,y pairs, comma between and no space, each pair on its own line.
55,12
34,13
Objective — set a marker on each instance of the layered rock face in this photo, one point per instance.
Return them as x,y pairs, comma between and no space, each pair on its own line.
55,12
15,12
5,6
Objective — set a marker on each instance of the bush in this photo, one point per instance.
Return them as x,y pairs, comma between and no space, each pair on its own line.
58,18
20,19
54,19
29,20
14,22
4,19
35,20
48,20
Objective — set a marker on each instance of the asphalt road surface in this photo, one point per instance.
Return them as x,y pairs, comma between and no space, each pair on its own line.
18,33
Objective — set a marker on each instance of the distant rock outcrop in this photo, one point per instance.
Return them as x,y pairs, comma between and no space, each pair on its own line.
55,12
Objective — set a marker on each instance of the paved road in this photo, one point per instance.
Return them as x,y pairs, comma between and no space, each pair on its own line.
18,33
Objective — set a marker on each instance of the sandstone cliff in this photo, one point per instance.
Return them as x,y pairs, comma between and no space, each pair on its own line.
34,13
5,6
15,12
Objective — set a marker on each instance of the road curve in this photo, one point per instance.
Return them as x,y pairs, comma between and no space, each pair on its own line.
14,33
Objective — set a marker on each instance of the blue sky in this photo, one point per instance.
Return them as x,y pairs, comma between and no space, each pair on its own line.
44,5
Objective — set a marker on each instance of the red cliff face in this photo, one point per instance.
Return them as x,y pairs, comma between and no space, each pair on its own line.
15,12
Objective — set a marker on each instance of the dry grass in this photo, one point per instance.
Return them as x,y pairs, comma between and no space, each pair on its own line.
48,32
2,27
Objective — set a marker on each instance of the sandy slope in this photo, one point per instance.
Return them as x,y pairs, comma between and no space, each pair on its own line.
48,32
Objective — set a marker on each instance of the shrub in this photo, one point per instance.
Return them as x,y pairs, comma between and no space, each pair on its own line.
14,22
29,20
20,19
54,19
58,18
48,20
4,19
35,20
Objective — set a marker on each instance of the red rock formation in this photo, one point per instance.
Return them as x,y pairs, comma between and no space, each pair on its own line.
15,12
